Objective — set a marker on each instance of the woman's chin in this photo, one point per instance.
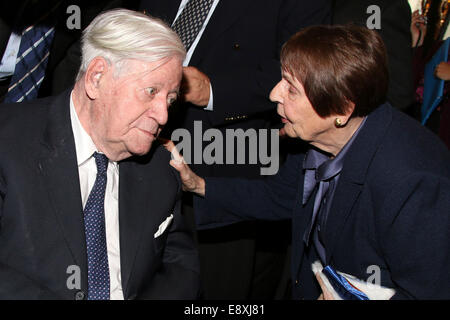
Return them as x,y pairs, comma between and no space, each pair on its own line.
290,133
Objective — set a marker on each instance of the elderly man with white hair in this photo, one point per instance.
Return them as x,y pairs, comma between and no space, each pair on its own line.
87,210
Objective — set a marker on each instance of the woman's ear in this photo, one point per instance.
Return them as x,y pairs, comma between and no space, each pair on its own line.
94,76
343,119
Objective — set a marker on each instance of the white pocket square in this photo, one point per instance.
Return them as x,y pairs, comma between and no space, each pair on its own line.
163,226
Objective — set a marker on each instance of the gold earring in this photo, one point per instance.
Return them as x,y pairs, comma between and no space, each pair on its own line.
338,123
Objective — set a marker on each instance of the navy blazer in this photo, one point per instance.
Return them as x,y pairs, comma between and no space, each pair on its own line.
41,214
391,209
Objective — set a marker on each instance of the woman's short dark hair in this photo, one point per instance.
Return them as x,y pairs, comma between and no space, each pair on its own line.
338,64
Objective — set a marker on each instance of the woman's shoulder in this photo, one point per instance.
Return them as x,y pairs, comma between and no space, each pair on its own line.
409,145
406,149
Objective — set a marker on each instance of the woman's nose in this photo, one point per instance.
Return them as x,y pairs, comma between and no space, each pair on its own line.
275,95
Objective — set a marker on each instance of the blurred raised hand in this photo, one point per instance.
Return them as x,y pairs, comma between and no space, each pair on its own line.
191,182
418,28
442,71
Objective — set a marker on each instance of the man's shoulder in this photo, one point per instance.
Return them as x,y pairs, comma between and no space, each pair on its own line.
156,161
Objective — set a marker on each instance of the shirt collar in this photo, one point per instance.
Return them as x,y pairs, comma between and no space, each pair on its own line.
319,167
325,167
84,145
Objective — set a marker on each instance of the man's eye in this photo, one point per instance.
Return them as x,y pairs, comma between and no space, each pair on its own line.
151,91
171,100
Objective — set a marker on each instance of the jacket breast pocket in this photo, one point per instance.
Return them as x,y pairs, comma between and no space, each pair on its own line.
160,236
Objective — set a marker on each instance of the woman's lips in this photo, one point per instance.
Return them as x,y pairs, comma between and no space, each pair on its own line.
284,120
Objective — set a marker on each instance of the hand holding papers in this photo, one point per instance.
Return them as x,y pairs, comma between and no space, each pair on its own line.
341,286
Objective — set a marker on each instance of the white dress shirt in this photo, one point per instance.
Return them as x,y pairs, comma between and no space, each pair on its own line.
87,171
8,63
191,50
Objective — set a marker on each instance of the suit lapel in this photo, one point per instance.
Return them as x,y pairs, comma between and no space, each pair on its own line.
131,205
223,17
16,13
144,196
345,197
139,189
301,218
5,33
58,166
353,176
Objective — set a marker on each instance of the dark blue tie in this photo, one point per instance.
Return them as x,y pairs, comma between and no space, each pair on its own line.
94,224
32,60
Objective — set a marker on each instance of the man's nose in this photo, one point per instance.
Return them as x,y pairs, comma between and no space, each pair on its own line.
160,111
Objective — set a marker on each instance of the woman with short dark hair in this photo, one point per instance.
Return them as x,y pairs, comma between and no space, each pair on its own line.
337,65
372,193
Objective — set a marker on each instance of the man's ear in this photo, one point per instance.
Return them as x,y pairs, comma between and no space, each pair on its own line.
95,74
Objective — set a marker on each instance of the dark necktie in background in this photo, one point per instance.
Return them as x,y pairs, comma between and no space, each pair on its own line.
32,60
94,224
191,19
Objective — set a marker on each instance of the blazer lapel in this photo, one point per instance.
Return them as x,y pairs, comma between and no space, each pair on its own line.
16,14
301,218
223,17
5,33
58,166
137,192
131,205
346,195
354,173
143,200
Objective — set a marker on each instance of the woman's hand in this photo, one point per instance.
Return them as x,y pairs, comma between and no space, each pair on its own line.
442,71
325,295
191,181
418,26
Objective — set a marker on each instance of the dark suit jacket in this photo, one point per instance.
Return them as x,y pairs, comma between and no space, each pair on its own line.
390,209
395,30
41,216
239,52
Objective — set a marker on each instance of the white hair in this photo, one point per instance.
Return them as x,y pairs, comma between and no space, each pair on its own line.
120,34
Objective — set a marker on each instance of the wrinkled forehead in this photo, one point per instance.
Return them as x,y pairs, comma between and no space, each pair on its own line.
141,71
